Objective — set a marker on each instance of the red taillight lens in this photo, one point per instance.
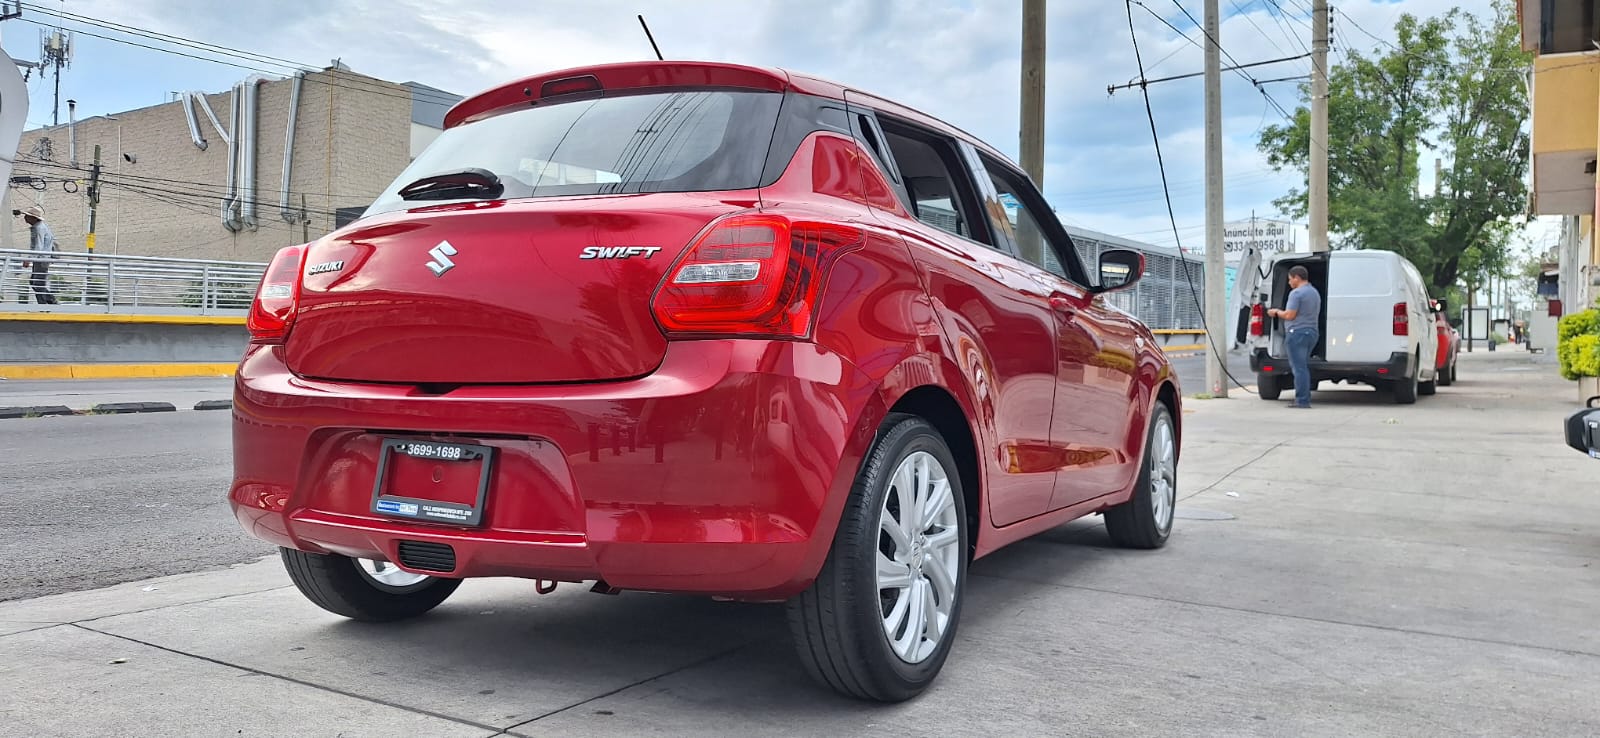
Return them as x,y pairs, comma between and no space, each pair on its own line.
1402,320
751,275
1258,319
273,309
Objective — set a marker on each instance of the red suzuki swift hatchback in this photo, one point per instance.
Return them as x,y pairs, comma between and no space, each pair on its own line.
707,329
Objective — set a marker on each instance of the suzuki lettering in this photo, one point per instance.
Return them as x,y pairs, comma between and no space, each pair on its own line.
441,258
618,252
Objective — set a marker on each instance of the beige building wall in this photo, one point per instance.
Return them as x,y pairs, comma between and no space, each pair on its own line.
353,136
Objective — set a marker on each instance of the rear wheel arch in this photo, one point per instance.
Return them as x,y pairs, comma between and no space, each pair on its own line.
940,408
1167,395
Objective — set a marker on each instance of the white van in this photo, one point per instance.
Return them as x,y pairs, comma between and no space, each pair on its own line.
1376,324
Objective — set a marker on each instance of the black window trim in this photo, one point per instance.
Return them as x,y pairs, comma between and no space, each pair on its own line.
949,149
1056,235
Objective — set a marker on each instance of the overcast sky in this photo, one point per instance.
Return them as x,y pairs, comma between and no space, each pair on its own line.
955,59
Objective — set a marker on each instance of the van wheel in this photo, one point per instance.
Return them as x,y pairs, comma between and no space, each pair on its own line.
1268,387
359,589
879,620
1405,390
1145,520
1428,388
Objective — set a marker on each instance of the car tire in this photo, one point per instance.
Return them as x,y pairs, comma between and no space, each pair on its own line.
1145,520
1447,375
1268,386
1428,388
344,586
852,628
1405,390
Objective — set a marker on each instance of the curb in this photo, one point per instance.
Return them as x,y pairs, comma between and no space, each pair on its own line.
214,405
120,408
114,371
35,410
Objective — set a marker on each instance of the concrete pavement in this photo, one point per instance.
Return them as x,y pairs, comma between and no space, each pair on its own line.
1360,569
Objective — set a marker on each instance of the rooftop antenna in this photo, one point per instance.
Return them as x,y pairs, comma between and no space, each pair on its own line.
652,38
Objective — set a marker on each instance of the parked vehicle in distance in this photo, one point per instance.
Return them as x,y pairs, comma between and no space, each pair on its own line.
706,329
1377,324
1449,350
1583,429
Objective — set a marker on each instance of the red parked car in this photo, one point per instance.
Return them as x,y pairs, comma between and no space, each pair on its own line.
1449,345
699,328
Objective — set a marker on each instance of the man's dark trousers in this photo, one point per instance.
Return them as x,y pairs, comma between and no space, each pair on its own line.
1301,341
41,284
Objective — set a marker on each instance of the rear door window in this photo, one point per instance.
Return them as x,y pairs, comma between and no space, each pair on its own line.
679,141
935,181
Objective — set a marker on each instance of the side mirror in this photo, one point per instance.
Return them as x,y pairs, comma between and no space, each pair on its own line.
1119,269
1441,306
1583,430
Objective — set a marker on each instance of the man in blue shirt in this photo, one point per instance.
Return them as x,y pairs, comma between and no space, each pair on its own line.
1301,314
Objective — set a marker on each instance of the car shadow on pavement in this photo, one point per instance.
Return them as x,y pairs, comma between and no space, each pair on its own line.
501,655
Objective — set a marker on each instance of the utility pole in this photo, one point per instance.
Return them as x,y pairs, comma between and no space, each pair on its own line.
305,221
1318,186
94,196
1032,144
1216,278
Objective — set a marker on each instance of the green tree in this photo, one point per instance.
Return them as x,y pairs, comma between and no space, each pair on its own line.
1453,86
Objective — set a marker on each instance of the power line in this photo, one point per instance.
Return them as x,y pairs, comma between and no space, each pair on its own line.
1281,110
352,84
219,187
1172,217
1240,11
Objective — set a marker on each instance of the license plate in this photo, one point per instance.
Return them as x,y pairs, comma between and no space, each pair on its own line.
432,481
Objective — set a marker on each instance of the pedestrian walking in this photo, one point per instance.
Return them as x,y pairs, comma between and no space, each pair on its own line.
1302,313
42,245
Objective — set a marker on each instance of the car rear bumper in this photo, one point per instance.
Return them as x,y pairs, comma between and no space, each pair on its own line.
722,472
1400,364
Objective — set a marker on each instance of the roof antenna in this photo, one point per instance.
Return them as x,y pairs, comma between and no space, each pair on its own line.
652,38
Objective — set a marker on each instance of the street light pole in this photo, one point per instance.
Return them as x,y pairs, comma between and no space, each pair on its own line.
1216,278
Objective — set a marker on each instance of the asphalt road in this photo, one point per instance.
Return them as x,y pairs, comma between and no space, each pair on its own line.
1192,372
90,501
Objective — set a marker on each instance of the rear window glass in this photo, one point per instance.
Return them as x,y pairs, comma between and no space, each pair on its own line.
685,141
1360,277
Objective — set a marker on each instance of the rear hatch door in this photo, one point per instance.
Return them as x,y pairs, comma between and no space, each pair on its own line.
532,291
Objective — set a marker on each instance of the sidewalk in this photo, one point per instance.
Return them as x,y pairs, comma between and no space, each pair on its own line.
1360,569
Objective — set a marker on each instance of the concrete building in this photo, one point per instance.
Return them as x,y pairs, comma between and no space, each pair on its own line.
1563,35
168,170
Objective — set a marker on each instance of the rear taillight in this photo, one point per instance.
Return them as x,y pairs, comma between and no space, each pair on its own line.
1258,319
751,275
273,309
1402,320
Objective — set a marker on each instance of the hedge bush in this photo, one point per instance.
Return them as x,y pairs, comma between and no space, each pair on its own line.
1578,344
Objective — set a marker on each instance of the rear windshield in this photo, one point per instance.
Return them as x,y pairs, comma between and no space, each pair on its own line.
686,141
1360,277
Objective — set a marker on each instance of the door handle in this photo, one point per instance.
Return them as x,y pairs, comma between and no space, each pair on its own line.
1063,306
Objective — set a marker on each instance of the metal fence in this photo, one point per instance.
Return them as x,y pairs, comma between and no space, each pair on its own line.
113,283
1166,298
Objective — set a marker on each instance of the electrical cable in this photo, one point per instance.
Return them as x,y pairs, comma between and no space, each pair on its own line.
1172,217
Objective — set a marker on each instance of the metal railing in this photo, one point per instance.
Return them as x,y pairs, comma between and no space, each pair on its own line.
107,283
